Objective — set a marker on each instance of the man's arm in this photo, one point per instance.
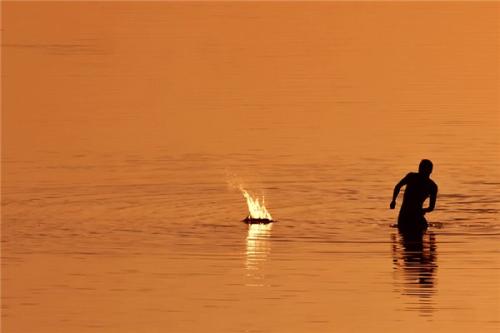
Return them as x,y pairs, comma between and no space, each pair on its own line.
432,200
397,188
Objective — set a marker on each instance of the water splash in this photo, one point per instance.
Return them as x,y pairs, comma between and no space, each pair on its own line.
256,208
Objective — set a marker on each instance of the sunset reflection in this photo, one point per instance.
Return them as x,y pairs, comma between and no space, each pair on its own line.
258,249
136,135
414,262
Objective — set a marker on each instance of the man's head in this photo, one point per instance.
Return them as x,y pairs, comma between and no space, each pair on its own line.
425,168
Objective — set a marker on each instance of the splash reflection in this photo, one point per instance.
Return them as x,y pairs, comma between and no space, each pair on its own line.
414,262
258,249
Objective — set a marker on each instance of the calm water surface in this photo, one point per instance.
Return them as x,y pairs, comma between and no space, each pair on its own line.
119,211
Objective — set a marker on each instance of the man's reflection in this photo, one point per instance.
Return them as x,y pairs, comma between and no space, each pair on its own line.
258,249
414,258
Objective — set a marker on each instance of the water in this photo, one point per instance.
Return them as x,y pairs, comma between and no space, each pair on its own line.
125,133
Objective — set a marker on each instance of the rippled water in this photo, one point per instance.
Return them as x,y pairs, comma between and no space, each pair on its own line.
121,215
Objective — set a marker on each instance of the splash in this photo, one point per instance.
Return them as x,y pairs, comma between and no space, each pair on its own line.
256,209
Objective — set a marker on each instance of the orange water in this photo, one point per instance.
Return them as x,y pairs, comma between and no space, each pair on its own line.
126,126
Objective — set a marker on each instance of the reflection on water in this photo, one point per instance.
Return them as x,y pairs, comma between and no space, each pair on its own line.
258,249
414,259
116,216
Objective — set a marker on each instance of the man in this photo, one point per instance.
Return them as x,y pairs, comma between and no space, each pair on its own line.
419,187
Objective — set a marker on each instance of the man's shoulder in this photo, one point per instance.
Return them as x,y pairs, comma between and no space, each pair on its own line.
433,184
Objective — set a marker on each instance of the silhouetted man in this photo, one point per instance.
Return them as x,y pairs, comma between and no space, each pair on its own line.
419,187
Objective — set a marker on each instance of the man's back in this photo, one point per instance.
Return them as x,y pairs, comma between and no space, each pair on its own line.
418,188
